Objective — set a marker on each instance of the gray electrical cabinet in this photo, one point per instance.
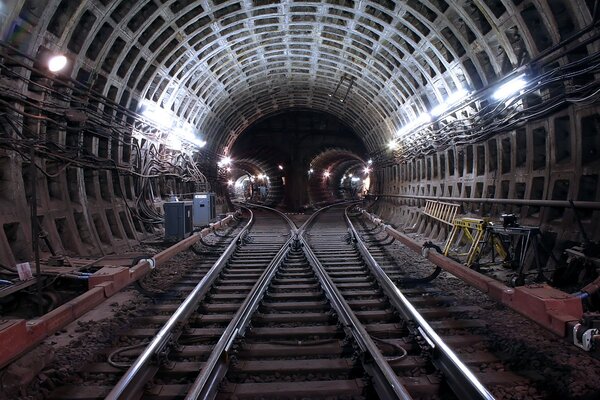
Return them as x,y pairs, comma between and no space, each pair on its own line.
178,220
204,209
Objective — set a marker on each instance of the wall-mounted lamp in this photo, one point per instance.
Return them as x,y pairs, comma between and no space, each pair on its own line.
57,63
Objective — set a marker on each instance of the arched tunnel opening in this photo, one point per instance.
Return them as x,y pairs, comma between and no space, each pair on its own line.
287,146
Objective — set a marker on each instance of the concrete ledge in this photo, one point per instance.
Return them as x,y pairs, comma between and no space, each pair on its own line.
18,336
545,305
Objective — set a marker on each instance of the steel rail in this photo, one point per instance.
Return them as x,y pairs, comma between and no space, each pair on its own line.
143,367
460,378
386,381
215,368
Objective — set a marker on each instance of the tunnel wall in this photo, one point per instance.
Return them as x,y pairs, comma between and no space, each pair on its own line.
88,184
552,159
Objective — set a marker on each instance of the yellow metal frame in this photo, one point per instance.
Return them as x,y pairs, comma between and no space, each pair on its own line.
471,229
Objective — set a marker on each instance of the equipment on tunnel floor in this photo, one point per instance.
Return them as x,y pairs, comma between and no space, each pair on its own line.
204,209
178,220
510,241
469,231
586,334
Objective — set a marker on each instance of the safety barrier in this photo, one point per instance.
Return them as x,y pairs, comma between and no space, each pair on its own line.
443,212
469,232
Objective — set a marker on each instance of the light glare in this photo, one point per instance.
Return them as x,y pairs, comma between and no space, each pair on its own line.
510,88
57,63
225,161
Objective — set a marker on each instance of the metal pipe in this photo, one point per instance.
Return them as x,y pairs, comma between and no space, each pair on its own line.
158,259
594,205
34,232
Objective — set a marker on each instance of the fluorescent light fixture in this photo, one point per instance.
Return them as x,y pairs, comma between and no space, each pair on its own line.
355,179
175,144
423,119
439,109
510,88
414,124
452,99
187,133
457,96
158,115
57,63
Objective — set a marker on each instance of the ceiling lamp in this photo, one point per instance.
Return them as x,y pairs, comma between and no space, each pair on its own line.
57,63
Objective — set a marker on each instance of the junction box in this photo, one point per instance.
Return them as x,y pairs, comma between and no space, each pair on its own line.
204,209
178,220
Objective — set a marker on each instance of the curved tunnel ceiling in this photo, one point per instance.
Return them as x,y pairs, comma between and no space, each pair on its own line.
374,64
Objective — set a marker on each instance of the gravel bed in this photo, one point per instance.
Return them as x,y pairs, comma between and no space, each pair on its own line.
555,368
60,358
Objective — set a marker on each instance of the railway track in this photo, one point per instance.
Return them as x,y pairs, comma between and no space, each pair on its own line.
292,313
222,279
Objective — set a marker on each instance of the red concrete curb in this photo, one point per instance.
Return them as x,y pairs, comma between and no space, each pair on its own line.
18,336
545,305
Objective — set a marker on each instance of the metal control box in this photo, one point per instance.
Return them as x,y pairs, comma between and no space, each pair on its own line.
204,209
178,220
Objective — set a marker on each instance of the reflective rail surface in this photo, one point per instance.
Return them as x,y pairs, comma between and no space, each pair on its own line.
288,312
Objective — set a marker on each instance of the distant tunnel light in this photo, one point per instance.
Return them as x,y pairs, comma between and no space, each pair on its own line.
326,174
280,167
510,88
392,145
57,63
225,161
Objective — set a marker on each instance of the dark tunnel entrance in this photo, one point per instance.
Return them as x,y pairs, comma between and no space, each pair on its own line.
286,143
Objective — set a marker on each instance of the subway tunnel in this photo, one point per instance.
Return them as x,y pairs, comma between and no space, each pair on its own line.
154,94
432,114
488,104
